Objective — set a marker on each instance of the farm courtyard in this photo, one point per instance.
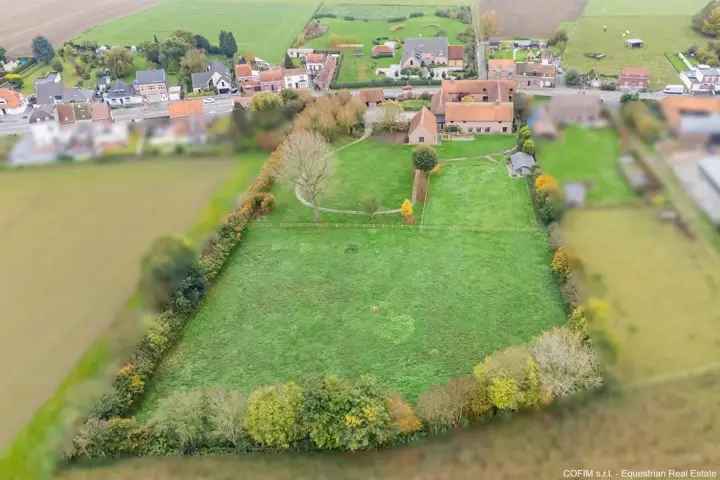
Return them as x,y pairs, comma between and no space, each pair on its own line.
59,223
411,305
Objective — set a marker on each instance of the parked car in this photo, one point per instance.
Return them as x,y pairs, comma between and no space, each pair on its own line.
208,100
674,89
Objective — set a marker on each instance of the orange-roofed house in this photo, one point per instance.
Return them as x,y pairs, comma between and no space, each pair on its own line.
423,129
456,56
12,102
634,79
379,51
247,80
314,63
675,109
479,117
371,97
501,69
101,112
272,80
186,108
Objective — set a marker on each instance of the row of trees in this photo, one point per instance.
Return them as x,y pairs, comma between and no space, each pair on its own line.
331,413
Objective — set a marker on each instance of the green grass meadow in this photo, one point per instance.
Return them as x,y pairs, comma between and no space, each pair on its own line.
413,305
664,25
265,28
588,155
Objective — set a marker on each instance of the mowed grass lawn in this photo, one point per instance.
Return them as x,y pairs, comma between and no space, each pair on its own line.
661,33
662,288
411,306
73,236
263,27
360,68
587,155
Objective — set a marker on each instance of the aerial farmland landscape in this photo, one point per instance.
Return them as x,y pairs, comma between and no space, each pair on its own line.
360,239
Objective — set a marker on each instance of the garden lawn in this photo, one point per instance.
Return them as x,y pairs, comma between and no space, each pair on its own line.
362,68
412,306
263,27
661,33
475,191
588,155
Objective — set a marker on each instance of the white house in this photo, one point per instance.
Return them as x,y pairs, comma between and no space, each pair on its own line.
216,77
120,94
295,78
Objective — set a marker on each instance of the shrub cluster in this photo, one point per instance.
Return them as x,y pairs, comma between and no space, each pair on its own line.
332,116
327,413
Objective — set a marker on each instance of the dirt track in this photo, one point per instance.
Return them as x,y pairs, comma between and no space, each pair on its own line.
530,17
59,20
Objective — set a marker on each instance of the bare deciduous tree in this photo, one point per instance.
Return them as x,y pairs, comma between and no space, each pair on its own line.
308,162
567,365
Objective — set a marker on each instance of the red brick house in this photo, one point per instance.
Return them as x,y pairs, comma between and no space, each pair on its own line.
634,78
501,69
382,51
272,80
535,75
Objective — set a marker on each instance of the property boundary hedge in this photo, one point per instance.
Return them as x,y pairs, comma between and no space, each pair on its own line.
325,414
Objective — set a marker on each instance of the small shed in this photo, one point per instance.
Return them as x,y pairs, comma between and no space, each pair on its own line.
575,194
634,43
521,164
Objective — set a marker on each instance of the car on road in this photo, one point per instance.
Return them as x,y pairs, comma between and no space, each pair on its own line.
674,89
208,100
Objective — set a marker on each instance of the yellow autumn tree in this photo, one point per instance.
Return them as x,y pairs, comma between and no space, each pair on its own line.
561,263
547,184
403,416
406,210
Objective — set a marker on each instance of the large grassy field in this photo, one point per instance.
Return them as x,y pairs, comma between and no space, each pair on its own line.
413,306
361,68
662,288
601,8
661,33
265,28
72,239
588,155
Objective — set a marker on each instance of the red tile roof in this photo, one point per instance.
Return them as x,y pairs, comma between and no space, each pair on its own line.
12,98
501,64
100,112
424,118
66,114
635,72
674,107
243,70
274,75
315,58
371,95
479,112
456,52
185,108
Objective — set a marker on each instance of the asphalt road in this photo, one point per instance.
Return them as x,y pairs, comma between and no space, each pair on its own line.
223,105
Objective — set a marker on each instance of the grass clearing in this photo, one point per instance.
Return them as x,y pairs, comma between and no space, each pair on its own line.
64,221
662,288
354,295
661,33
591,155
362,67
265,28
